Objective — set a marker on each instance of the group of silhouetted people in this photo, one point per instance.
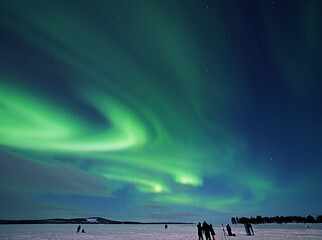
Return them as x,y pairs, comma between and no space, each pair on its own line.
208,230
79,228
205,229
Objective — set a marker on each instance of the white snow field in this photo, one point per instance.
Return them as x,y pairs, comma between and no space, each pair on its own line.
156,232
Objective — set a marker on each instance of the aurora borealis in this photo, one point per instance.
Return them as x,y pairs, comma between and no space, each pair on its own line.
160,110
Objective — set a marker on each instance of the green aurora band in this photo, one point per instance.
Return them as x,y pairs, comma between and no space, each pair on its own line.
151,126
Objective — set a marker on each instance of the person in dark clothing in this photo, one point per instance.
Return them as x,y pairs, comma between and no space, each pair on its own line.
229,231
206,230
212,232
199,231
78,228
249,229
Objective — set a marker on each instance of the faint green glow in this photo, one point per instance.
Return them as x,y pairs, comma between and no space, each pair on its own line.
260,186
190,180
142,181
208,202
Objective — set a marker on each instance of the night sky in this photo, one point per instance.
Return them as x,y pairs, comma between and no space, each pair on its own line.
160,110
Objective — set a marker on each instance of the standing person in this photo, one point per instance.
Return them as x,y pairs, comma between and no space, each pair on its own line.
249,229
205,228
199,231
78,228
212,232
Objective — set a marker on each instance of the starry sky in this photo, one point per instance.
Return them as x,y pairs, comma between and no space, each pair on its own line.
165,110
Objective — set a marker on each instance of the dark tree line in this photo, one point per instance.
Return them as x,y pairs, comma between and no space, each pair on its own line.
276,219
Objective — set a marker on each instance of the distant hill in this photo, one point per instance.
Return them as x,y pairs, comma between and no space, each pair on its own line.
91,220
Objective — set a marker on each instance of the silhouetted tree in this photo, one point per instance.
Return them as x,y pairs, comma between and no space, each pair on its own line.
259,219
319,219
277,219
310,219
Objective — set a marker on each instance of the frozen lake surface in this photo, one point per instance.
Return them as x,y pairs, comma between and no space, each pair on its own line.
156,232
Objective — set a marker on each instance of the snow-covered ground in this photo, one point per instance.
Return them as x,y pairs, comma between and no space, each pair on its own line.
156,232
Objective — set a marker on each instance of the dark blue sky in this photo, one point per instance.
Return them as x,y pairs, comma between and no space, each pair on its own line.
160,110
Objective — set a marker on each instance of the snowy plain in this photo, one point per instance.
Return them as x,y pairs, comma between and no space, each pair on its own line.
156,232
